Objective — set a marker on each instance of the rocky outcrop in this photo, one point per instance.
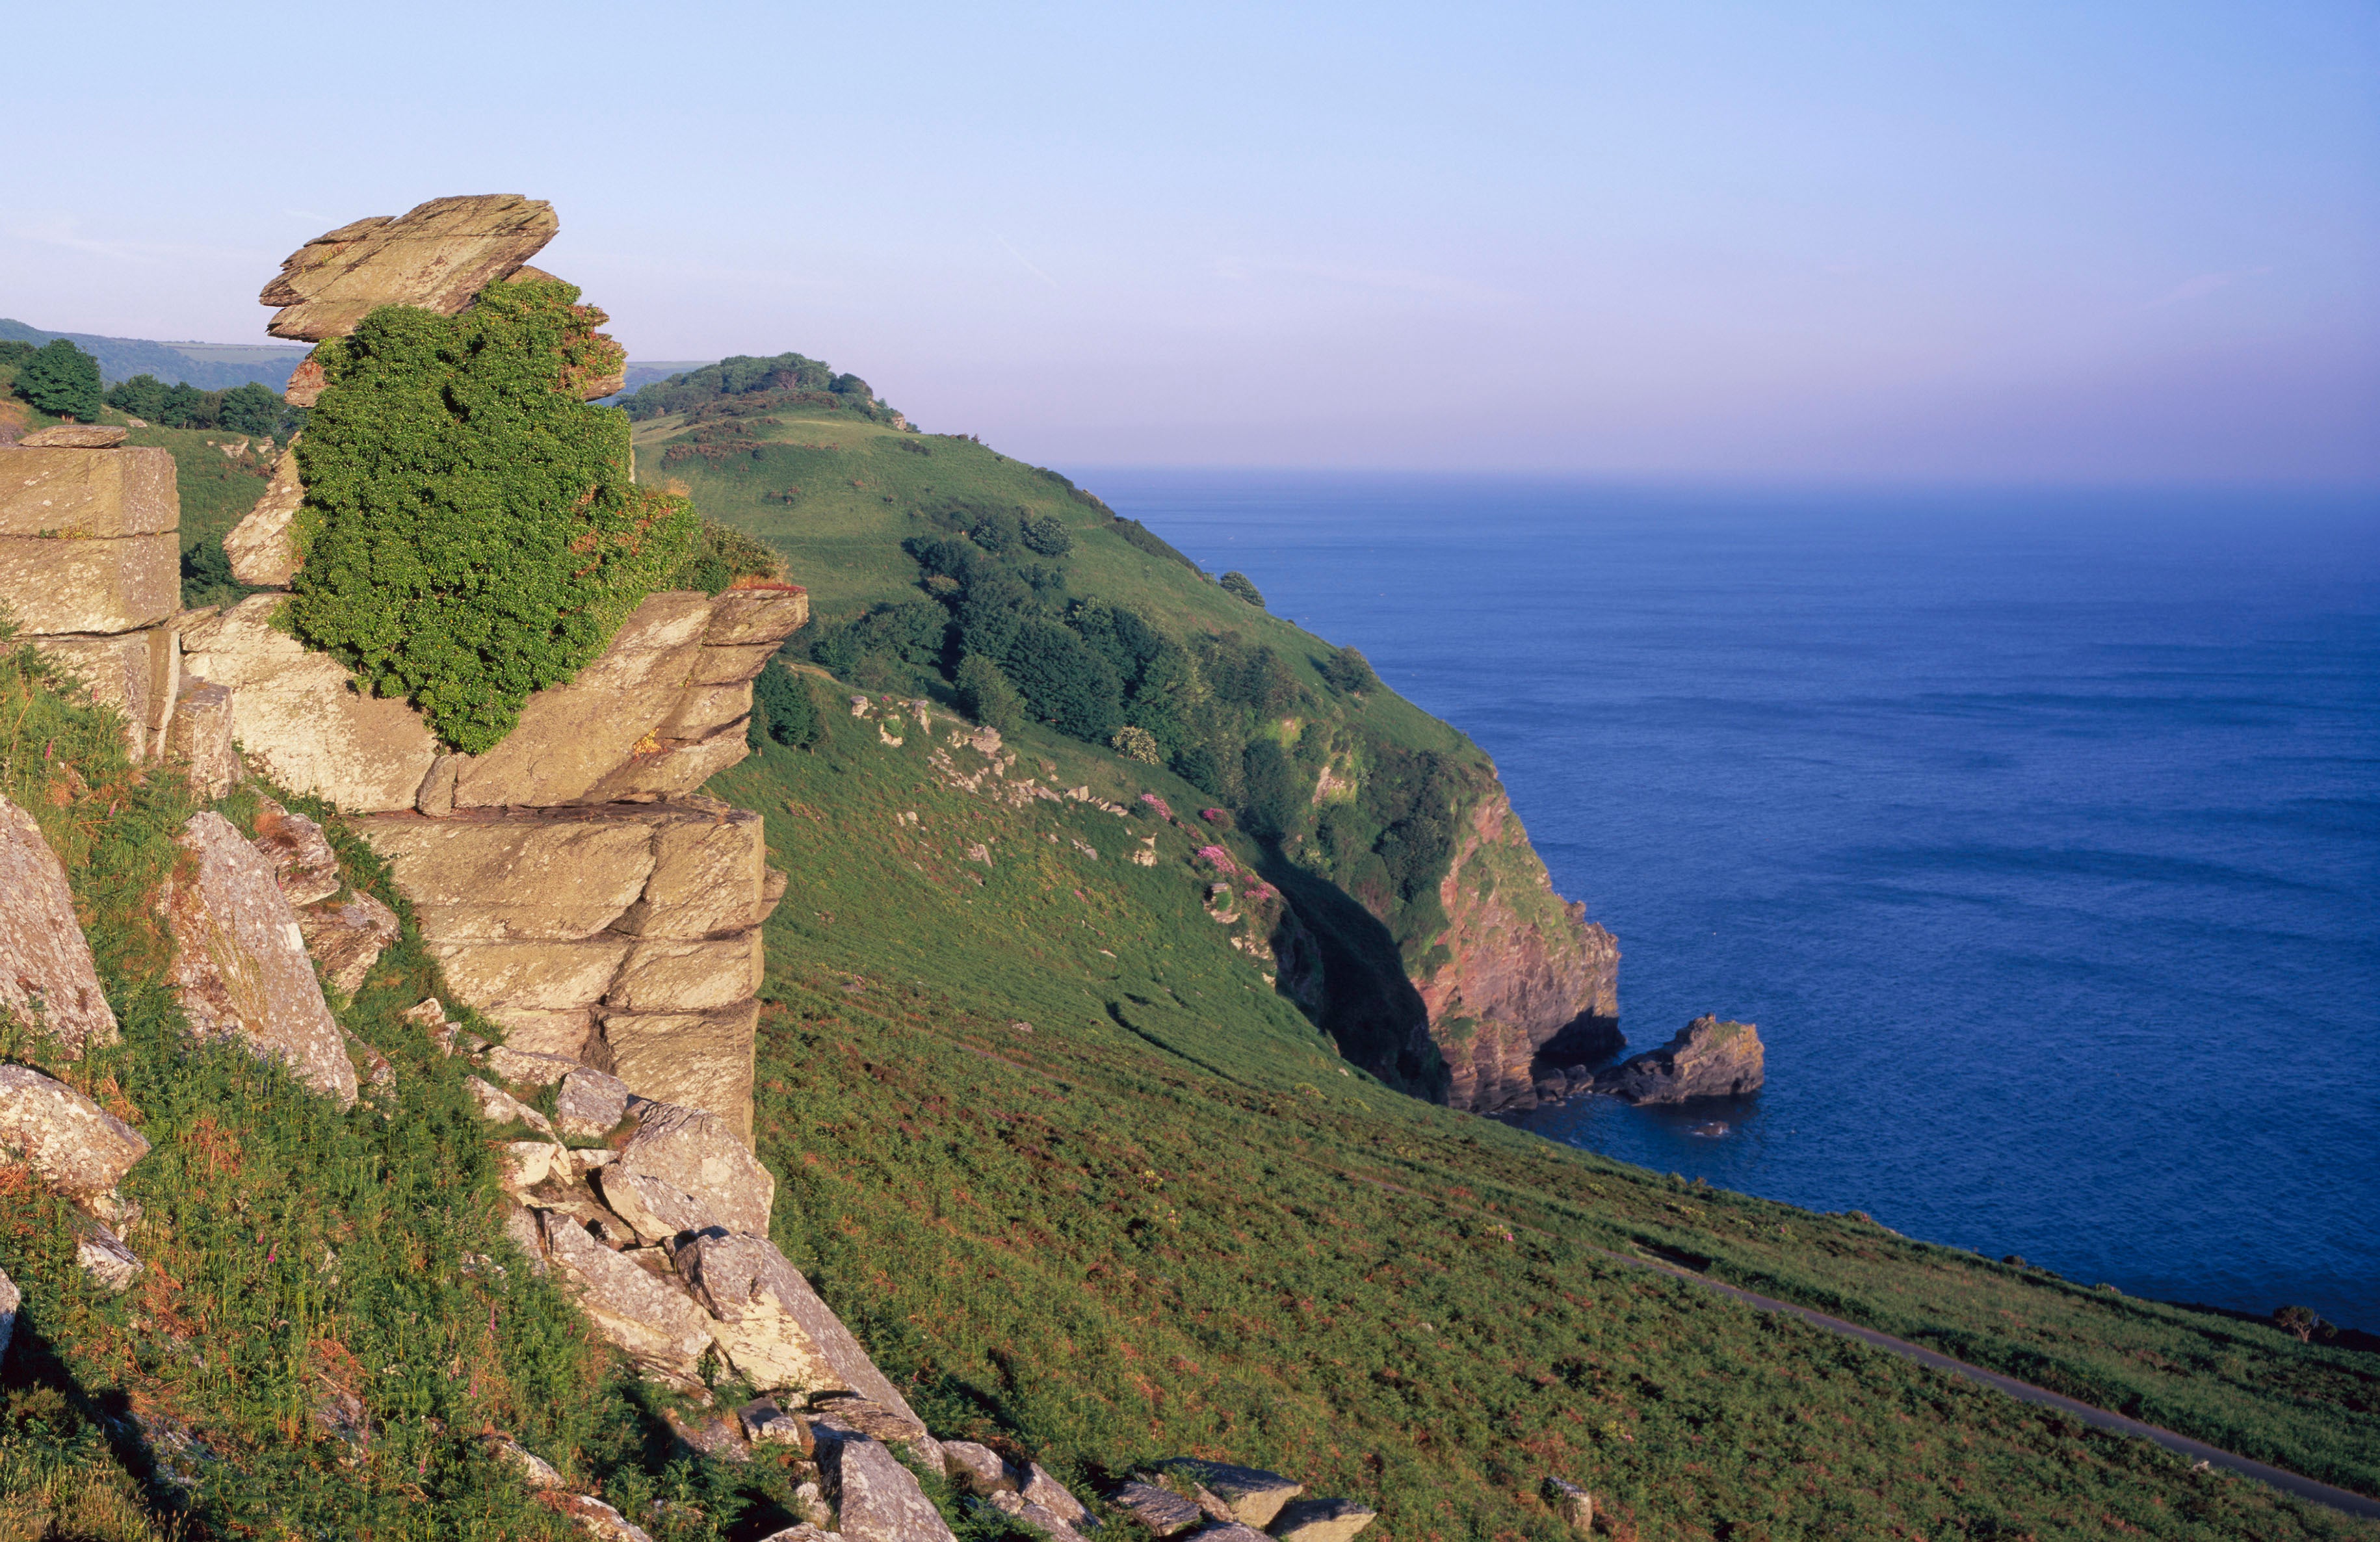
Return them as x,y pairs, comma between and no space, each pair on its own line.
1706,1058
72,1144
436,256
47,978
1522,979
241,967
876,1498
1253,1495
648,1317
686,1170
262,550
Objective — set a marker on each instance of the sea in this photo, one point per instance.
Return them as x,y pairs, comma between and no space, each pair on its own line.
2039,832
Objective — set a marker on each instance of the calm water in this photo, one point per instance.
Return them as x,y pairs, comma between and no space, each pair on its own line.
2040,835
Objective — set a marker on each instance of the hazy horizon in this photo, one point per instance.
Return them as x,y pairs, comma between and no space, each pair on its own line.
1857,244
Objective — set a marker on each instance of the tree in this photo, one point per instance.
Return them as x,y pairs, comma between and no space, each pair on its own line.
1047,534
1349,673
1274,797
142,396
1239,584
1068,686
985,693
783,709
1138,743
249,409
62,381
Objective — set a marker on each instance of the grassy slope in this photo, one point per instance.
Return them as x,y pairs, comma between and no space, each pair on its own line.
1164,1220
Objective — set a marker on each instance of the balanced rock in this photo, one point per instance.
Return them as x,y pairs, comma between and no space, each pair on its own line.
435,256
47,978
1254,1496
1708,1058
76,436
72,1143
241,967
1321,1521
684,1171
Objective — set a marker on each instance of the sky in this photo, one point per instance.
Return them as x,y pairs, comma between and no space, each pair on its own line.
2003,241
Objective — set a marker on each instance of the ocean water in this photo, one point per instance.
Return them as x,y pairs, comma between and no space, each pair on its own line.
2040,833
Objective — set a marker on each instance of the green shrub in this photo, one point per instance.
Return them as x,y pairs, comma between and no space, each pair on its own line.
62,381
1240,585
783,709
1047,534
1349,673
470,531
986,695
721,553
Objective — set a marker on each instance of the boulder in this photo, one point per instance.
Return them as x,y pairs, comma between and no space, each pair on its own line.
1254,1496
519,877
1033,1517
1039,1488
80,436
698,1059
978,1469
1573,1504
1164,1514
650,1318
592,1104
304,866
877,1498
1321,1521
537,1031
262,550
72,1143
746,1280
10,1300
306,724
527,1067
85,493
849,1413
102,1256
435,256
671,768
1706,1058
102,583
684,1171
241,967
199,735
47,977
137,673
347,938
765,1424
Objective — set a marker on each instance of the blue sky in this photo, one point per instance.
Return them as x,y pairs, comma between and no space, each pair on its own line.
1988,241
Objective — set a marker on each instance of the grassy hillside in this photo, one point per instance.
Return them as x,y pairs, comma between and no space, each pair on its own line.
1066,1162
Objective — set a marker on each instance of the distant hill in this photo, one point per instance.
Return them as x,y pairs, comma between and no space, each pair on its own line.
207,365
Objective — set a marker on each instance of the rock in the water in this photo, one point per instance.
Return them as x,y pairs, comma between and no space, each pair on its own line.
1708,1058
1573,1504
47,978
240,966
1253,1495
72,1143
683,1171
877,1500
1321,1521
10,1299
262,551
650,1317
105,1257
592,1104
977,1468
303,863
347,939
1161,1512
76,436
436,256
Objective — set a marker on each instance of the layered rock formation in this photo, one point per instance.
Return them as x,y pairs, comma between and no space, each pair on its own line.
1708,1057
435,256
1525,981
47,980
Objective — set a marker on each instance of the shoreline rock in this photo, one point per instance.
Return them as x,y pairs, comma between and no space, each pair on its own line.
1708,1057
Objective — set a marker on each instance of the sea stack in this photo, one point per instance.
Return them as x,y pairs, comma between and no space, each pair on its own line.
1708,1058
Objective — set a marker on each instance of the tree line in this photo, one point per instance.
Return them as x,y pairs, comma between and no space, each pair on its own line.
62,381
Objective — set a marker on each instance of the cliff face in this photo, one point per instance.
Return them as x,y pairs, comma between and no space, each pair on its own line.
1520,978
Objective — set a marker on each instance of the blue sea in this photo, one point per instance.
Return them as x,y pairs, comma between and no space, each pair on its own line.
2039,833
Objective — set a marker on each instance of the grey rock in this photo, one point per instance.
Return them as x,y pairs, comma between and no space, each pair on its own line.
877,1498
1573,1504
1161,1512
977,1468
527,1067
757,1300
201,734
104,1257
72,1143
1706,1058
1039,1487
1035,1517
684,1171
347,938
765,1424
1228,1531
46,975
303,863
10,1299
1321,1521
845,1413
499,1107
531,1468
644,1314
1253,1495
717,1435
592,1104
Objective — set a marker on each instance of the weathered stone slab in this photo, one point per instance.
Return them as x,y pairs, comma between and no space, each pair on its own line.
133,671
1253,1495
1164,1514
590,1104
765,1424
240,966
701,1059
674,768
97,585
306,724
348,937
761,612
541,977
731,664
651,1318
106,493
262,547
1039,1488
111,1265
702,710
877,1500
517,876
72,1143
662,975
303,863
435,256
529,1068
200,735
741,1280
1321,1521
79,436
47,977
707,878
979,1469
684,1171
1034,1517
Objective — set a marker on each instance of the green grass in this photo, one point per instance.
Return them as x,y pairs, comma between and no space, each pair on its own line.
1164,1221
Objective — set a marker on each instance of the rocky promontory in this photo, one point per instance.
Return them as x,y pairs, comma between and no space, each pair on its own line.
1708,1058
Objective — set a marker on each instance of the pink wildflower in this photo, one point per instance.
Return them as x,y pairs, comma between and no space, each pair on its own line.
1157,803
1214,815
1220,858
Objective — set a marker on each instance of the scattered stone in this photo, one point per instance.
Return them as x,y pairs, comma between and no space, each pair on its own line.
718,1436
303,863
10,1299
1254,1496
976,1468
765,1424
1706,1058
262,551
531,1468
1321,1521
524,1067
594,1517
435,256
877,1498
47,978
1039,1488
759,1302
592,1104
1160,1510
499,1107
104,1257
650,1318
199,735
1034,1517
76,436
523,1164
72,1143
1573,1504
809,1502
684,1171
347,939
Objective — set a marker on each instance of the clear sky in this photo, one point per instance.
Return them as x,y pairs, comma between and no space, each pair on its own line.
1996,240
